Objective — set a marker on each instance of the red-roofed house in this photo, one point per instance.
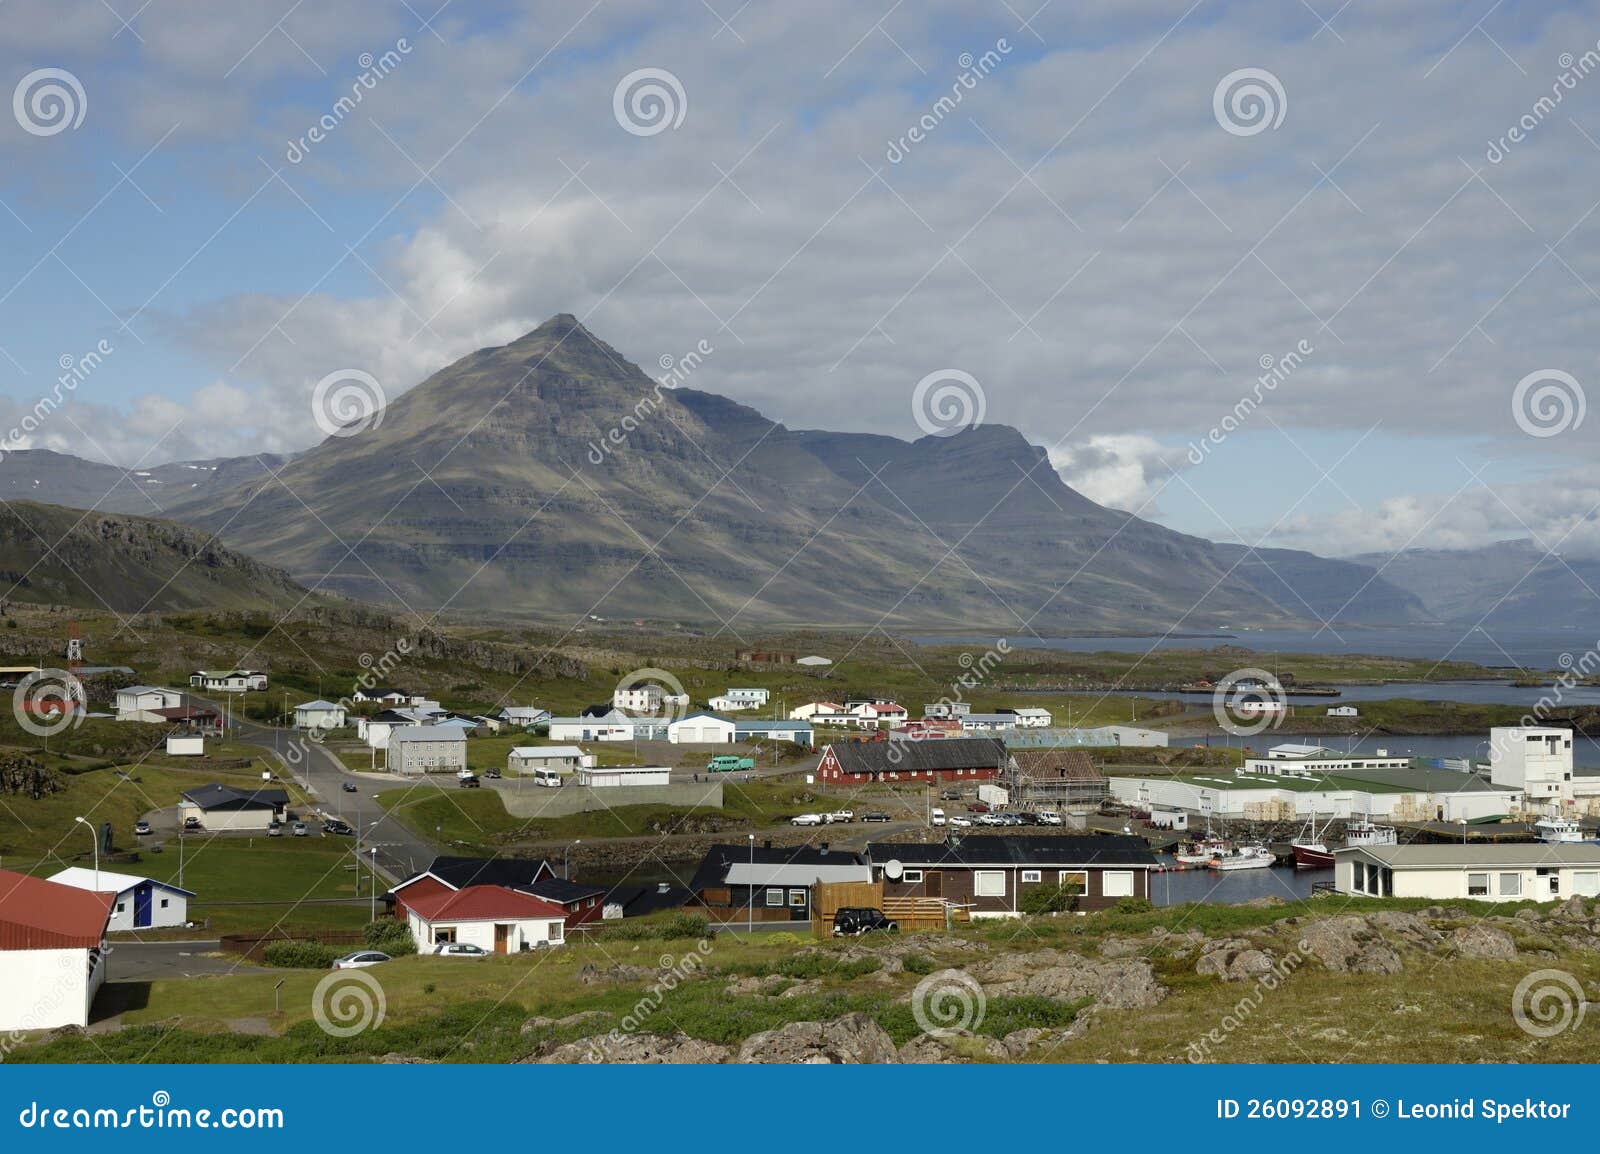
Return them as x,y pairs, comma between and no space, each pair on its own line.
493,917
52,952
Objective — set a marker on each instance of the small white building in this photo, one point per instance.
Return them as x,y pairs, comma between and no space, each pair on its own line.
527,758
755,698
141,903
610,776
1031,718
227,680
525,716
614,726
52,952
139,702
494,918
378,731
725,704
222,807
1538,872
427,749
815,709
987,722
185,745
1534,759
701,729
813,660
1343,711
646,698
319,714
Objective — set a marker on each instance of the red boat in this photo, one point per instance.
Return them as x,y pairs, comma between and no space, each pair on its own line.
1311,850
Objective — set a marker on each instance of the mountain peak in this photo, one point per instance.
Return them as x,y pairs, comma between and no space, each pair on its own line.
557,328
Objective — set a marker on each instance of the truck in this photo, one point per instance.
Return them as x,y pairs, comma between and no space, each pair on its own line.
728,763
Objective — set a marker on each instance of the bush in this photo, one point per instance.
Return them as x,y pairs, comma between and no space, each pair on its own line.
1050,899
1134,906
300,955
392,937
679,925
919,964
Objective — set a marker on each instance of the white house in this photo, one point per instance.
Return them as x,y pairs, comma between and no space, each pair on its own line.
494,918
141,903
814,709
876,711
1031,718
604,776
52,952
726,704
527,758
701,729
219,807
382,695
1486,873
645,698
427,749
1343,711
946,709
987,722
139,702
1534,759
755,698
527,716
614,726
378,731
319,714
228,680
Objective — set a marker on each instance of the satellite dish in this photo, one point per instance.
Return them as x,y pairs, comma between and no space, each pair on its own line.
892,869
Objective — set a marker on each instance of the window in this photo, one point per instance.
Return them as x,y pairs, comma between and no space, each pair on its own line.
774,897
120,907
1117,884
1477,885
163,903
444,935
911,876
989,883
555,931
797,897
1073,878
1030,875
1586,883
1511,885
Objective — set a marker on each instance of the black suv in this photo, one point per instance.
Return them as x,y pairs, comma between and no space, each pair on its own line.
853,921
335,826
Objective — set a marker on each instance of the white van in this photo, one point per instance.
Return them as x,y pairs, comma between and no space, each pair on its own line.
936,816
1049,817
548,777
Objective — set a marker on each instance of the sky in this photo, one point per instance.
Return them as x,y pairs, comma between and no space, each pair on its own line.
1301,274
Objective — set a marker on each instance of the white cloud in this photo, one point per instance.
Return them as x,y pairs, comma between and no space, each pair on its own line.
1122,471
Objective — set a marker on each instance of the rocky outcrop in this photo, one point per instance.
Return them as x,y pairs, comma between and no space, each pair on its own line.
1233,960
636,1050
1117,984
953,1048
1483,941
1349,944
854,1039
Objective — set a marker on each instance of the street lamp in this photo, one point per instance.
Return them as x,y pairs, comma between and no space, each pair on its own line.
566,859
750,890
94,840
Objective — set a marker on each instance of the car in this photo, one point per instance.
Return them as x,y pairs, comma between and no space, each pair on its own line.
806,819
960,822
335,826
460,950
360,960
191,823
469,782
299,829
493,775
349,787
840,815
950,795
989,819
1026,818
978,807
141,828
1049,817
875,815
936,816
275,829
853,921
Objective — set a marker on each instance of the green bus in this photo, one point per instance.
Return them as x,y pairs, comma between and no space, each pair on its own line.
727,763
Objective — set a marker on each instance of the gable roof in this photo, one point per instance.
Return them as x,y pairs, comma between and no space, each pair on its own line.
36,914
647,899
704,714
319,704
143,689
215,796
561,890
795,873
546,751
109,883
1456,856
949,753
483,903
460,872
410,733
982,850
1071,764
719,859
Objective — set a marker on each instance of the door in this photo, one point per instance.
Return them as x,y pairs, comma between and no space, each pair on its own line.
141,906
502,935
933,883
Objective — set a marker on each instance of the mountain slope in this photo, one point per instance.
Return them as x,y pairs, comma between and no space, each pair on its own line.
560,480
1507,583
60,556
61,479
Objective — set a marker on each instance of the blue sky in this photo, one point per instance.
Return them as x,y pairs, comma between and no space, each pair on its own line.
1083,234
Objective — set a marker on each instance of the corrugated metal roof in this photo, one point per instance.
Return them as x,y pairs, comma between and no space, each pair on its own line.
104,881
764,874
36,914
1068,850
1453,856
945,754
412,733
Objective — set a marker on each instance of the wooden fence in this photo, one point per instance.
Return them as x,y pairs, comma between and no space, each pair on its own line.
910,914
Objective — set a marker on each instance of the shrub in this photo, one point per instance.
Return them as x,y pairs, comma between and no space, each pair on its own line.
1050,899
1134,906
919,964
392,937
300,955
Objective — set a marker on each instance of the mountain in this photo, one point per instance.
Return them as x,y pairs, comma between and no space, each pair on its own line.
61,479
1508,583
60,556
562,481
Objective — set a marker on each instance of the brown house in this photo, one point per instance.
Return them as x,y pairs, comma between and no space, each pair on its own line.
988,875
955,759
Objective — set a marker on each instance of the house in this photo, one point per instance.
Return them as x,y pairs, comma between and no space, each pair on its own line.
754,698
927,728
197,718
811,710
580,903
1030,718
725,703
1343,711
52,952
768,883
953,759
526,716
989,876
613,726
319,714
701,728
494,918
988,722
379,729
527,758
220,807
139,702
645,698
491,724
185,745
813,660
227,680
794,732
636,901
1539,872
141,903
427,749
610,776
946,709
381,695
876,711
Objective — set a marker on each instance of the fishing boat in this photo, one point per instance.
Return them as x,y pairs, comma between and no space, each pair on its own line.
1310,849
1359,833
1199,852
1244,857
1558,830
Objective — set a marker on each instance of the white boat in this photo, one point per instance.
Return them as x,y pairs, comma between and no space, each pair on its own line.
1199,852
1558,829
1361,833
1244,857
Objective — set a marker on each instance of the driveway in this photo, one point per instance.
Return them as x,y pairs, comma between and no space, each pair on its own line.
152,961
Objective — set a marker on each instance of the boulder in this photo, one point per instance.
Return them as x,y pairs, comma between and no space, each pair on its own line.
1483,941
1349,944
1571,910
1410,928
1119,984
854,1039
1234,964
636,1050
590,974
955,1047
1035,1042
577,1019
744,987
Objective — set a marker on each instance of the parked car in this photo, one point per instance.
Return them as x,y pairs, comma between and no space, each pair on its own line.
469,782
875,815
989,819
300,830
460,950
978,807
841,815
1049,817
141,828
275,829
853,921
1026,818
936,816
335,826
493,775
950,795
360,960
960,822
191,823
349,787
806,819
